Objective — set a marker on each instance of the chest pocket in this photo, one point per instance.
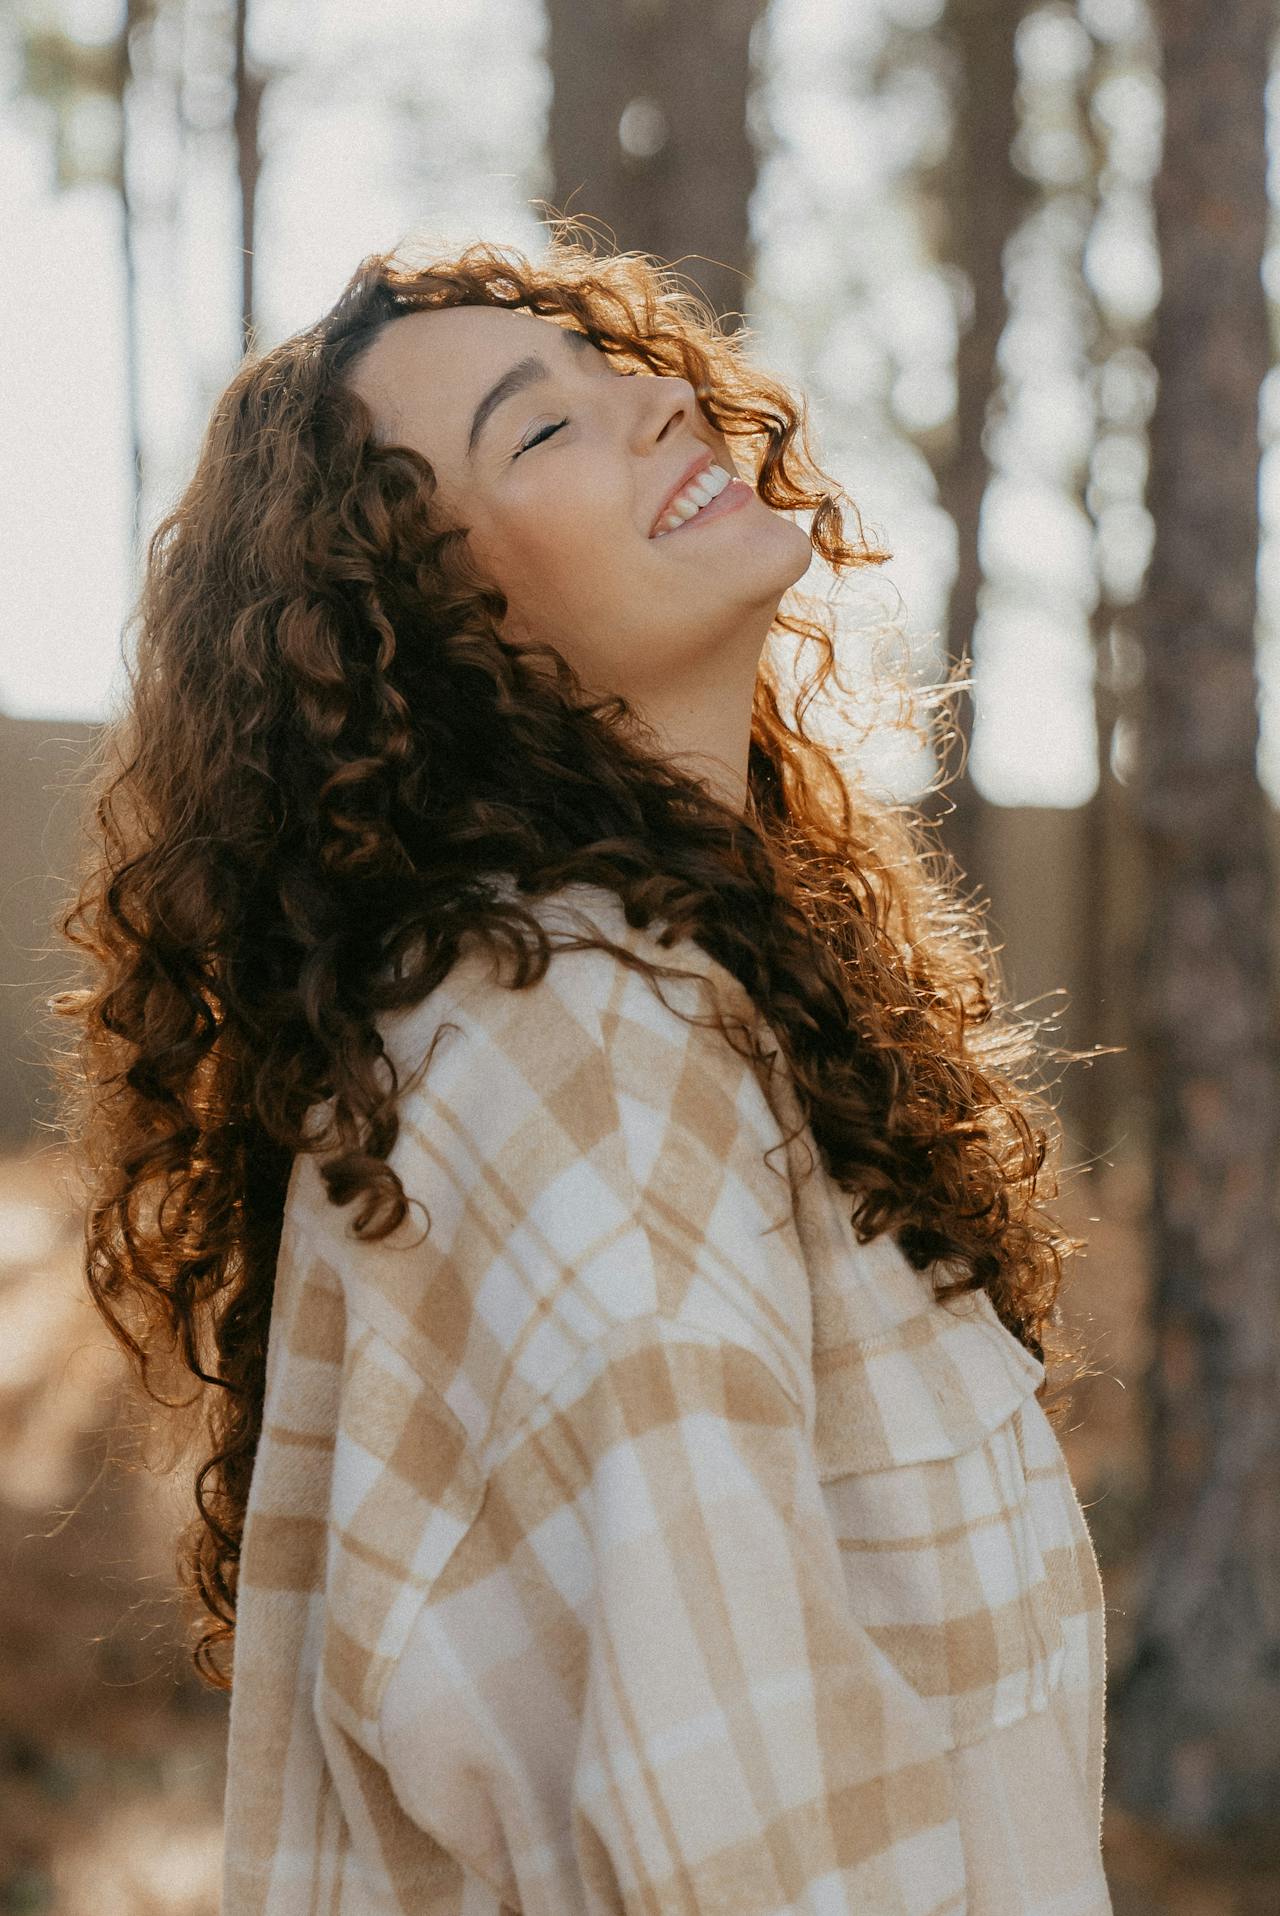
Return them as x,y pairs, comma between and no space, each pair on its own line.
929,1446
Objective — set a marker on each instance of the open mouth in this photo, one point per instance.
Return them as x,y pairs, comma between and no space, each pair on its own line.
708,494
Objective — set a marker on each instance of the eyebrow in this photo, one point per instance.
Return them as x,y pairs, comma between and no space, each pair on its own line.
525,372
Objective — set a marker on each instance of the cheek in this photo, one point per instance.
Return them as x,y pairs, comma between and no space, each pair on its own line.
563,550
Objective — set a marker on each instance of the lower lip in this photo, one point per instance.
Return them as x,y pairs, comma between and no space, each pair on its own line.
735,494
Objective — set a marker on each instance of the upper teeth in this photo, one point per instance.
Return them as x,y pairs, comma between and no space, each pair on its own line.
699,492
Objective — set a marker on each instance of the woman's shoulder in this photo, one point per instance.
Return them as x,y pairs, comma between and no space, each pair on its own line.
603,973
579,1159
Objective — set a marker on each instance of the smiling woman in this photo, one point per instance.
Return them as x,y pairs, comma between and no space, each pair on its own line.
671,1522
560,473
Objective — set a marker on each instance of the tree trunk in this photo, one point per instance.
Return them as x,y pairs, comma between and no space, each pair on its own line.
136,11
649,133
1104,825
987,198
246,119
1195,1741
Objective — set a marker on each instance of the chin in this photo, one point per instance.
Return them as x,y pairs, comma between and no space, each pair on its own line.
774,561
795,554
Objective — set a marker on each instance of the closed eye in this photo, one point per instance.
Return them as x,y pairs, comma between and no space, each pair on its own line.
543,432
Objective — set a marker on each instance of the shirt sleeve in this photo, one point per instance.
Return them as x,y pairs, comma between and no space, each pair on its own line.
637,1684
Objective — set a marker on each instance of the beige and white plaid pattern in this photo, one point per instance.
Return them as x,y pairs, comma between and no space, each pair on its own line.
635,1540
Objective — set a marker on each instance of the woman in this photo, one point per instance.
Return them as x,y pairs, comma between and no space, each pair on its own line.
570,1130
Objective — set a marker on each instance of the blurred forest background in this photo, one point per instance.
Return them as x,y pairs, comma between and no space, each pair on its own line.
1023,257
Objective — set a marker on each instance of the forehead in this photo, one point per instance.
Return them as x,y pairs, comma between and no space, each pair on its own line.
424,373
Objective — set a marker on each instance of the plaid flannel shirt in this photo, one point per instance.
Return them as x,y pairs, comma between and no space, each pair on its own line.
635,1540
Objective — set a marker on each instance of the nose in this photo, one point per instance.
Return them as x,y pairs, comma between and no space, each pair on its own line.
667,401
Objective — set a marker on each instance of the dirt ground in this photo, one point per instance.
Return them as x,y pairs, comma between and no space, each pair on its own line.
111,1751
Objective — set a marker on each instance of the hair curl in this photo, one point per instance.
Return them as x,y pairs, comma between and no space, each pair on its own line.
329,749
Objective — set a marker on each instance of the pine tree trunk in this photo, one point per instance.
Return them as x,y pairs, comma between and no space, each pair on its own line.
247,114
1098,1018
988,198
1195,1741
136,12
673,176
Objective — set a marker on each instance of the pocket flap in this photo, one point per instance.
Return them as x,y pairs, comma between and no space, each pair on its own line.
933,1386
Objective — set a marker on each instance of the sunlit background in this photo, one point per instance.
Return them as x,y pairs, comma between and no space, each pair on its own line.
366,136
985,402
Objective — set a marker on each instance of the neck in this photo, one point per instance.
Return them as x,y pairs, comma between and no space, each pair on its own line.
705,721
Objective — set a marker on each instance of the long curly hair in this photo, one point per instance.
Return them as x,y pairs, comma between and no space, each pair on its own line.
327,752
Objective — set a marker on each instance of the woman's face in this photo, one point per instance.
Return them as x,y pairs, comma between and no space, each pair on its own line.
559,467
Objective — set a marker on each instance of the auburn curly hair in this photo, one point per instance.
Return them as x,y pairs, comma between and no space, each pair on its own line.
328,750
